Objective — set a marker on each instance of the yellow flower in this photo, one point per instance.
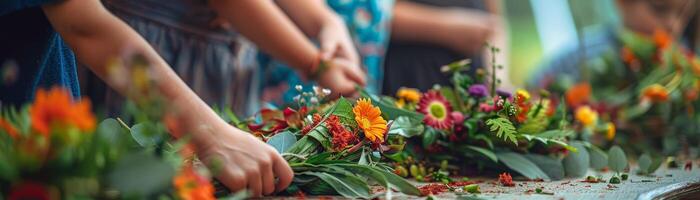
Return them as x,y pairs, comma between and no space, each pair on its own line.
409,94
400,103
522,94
370,120
586,116
610,131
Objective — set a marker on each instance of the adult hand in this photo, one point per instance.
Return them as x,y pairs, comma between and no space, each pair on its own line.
341,77
241,161
336,41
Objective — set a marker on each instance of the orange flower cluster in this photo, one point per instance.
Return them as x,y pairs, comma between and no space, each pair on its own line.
655,93
190,185
56,109
662,39
341,136
578,94
316,119
506,180
522,100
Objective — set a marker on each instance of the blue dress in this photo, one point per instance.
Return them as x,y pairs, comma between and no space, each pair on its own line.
32,54
368,22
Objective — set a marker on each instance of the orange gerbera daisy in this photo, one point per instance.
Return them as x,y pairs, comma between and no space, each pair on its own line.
8,128
578,94
656,93
370,120
190,185
56,108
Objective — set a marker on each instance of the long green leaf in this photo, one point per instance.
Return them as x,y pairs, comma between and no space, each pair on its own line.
347,186
522,165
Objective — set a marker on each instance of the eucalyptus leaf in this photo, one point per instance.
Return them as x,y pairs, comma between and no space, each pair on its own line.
617,161
522,165
644,163
282,141
110,130
406,127
140,174
598,158
576,163
146,134
551,166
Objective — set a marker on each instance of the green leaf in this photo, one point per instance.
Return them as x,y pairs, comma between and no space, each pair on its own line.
140,174
320,134
484,152
145,134
429,137
644,163
522,165
282,141
617,159
406,127
576,163
344,111
655,164
383,177
556,134
503,129
347,186
110,130
599,159
391,112
551,166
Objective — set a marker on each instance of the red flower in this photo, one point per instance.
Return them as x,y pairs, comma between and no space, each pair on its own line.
29,190
436,109
316,119
506,180
190,185
56,108
8,128
341,136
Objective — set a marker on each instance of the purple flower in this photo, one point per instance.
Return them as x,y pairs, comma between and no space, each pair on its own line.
503,93
478,90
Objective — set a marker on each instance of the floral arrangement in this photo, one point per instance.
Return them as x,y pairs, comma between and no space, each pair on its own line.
53,149
649,88
333,147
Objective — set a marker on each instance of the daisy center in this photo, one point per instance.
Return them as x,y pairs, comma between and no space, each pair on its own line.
365,124
437,110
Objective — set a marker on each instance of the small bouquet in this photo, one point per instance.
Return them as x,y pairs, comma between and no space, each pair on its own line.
649,87
333,147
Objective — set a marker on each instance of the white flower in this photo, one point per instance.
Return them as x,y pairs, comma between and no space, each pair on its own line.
326,92
298,88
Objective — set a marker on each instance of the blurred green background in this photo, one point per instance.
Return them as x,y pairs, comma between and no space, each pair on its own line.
538,27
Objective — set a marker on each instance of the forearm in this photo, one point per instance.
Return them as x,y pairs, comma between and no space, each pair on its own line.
309,15
417,23
266,25
101,37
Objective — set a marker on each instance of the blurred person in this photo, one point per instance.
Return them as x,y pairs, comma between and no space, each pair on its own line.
207,44
643,17
427,34
367,22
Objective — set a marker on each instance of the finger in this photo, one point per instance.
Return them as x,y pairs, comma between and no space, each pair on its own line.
356,75
347,50
328,48
234,179
268,176
254,182
283,172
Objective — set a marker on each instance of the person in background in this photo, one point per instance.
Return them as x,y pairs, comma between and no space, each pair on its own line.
427,34
643,17
46,37
208,43
368,24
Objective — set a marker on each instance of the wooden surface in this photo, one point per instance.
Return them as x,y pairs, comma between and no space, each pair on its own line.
636,187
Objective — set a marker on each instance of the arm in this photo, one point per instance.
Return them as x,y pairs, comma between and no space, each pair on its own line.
265,24
317,20
459,29
96,36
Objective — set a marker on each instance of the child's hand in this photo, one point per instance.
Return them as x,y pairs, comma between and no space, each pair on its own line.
341,77
241,161
336,41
